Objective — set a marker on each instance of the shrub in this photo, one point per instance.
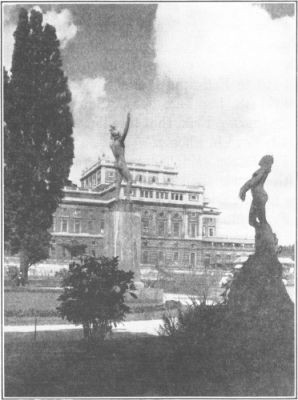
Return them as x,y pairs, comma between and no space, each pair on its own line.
197,322
12,273
93,295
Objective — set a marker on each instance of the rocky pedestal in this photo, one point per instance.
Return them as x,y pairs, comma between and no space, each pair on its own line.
123,240
258,286
260,316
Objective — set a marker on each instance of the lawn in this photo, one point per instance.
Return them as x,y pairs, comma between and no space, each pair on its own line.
60,364
23,305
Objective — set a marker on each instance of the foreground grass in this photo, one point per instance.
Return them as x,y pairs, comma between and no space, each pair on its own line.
60,364
22,306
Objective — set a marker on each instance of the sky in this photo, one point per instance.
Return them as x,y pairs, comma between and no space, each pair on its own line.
210,87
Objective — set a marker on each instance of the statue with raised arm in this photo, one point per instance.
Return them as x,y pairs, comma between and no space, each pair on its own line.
118,149
257,213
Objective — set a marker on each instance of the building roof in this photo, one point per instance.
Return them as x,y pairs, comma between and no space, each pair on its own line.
132,166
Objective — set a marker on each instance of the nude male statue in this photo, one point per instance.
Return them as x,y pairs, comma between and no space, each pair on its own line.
257,213
118,148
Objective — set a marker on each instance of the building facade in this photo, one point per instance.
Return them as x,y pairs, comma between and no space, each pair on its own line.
178,225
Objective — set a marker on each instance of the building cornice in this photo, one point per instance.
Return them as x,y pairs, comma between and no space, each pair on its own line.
76,235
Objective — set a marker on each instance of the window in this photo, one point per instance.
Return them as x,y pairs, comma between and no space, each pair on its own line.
151,194
173,196
166,195
193,197
176,228
207,260
142,193
98,176
146,193
211,232
175,256
160,256
110,175
102,226
157,195
145,257
77,226
145,225
181,197
152,179
193,230
64,225
161,228
204,231
77,213
192,259
90,226
161,195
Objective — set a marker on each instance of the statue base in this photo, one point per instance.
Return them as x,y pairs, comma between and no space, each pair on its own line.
123,239
260,314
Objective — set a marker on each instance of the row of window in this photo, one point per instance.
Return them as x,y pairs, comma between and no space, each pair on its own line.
149,194
184,257
95,178
176,229
92,180
159,258
236,245
76,225
75,213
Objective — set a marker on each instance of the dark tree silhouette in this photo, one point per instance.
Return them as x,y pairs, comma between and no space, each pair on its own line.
38,143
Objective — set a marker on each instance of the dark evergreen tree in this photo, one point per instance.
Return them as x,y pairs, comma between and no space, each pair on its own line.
38,143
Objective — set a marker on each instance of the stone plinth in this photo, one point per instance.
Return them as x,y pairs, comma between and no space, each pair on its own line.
123,237
260,314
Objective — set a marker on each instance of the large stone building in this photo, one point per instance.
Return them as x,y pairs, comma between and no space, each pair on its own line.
178,227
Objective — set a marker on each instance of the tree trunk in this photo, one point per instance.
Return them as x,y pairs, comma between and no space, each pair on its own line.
24,267
86,330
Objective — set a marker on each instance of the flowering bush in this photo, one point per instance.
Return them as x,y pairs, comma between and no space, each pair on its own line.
93,295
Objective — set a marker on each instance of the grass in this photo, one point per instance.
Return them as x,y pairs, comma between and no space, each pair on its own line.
22,305
60,364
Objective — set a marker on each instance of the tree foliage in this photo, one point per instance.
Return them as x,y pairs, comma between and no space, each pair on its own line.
38,143
94,294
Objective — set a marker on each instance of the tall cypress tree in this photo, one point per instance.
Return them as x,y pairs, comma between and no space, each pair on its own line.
38,143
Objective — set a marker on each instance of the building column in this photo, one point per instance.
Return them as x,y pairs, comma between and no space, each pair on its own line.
169,224
153,227
200,225
185,225
103,174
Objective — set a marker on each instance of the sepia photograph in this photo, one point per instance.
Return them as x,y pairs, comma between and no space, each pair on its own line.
149,190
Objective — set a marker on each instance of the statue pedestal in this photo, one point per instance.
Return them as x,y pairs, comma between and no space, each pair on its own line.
123,237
